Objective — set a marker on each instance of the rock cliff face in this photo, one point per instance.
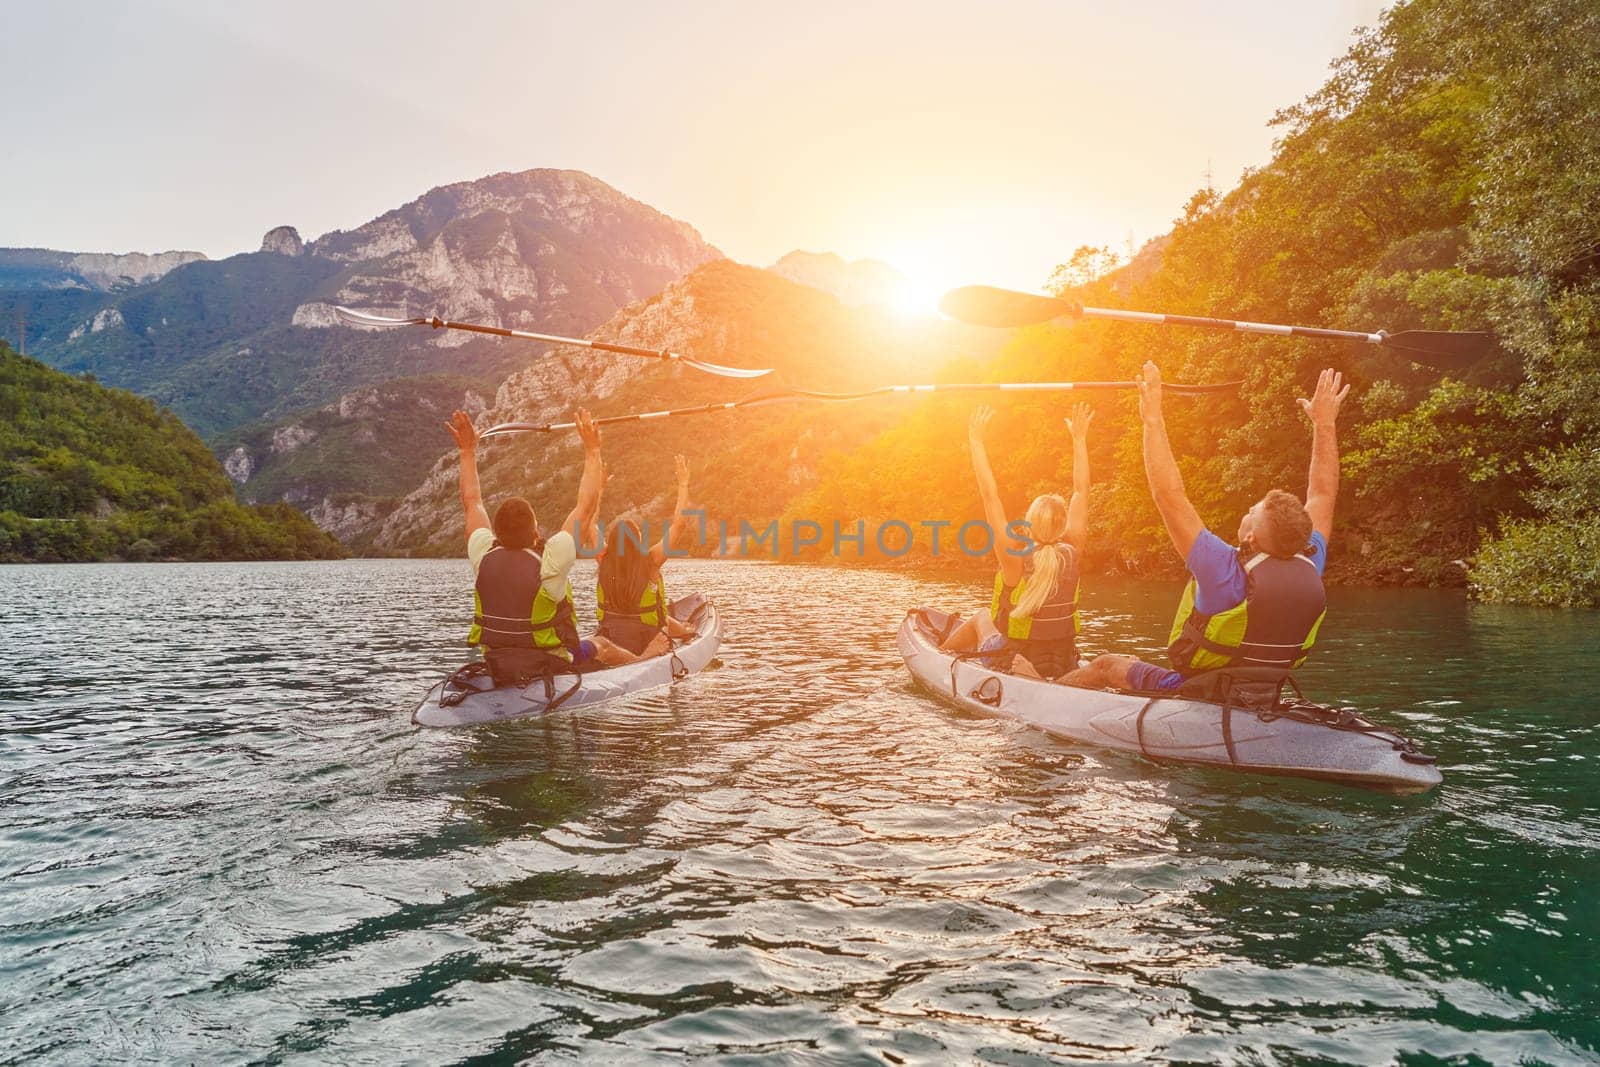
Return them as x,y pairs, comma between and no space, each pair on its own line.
540,248
283,240
41,268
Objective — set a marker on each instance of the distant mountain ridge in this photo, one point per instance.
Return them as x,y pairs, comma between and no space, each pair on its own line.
242,346
46,268
855,282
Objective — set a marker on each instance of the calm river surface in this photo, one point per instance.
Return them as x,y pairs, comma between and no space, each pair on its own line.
222,841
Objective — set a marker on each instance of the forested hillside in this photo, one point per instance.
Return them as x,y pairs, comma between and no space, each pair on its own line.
90,473
1447,176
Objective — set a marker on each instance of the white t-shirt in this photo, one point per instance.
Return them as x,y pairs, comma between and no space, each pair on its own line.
560,553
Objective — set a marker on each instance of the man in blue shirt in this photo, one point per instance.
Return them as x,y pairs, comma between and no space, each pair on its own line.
1259,604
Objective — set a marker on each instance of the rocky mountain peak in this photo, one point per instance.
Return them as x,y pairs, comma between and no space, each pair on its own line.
857,282
284,240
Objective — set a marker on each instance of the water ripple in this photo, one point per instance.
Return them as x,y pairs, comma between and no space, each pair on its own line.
220,839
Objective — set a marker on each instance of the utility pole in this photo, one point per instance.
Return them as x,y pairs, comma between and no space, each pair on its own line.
22,332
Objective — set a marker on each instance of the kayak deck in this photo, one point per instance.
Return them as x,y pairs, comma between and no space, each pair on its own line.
1303,741
473,700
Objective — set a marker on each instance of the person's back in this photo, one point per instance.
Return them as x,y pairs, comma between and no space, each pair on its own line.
1038,615
631,606
521,604
522,601
630,599
1273,624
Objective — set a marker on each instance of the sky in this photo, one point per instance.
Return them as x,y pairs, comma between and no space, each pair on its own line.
961,142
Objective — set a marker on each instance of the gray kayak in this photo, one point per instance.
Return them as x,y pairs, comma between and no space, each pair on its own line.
469,698
1286,737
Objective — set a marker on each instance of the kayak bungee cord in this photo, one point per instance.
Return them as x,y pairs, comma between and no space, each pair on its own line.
984,305
783,396
380,322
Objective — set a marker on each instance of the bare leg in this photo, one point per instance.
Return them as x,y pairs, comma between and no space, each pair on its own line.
1110,669
963,638
608,653
1022,668
659,645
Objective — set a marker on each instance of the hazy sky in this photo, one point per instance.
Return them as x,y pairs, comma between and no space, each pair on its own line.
959,141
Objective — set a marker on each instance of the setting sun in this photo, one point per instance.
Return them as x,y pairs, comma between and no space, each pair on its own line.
920,296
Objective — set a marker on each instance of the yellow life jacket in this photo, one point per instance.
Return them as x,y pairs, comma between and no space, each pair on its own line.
512,610
1274,626
1057,617
650,611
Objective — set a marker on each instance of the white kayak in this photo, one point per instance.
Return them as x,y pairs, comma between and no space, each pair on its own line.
1291,737
468,697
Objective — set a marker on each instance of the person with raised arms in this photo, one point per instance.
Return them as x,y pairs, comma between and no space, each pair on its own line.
1259,604
1032,621
523,616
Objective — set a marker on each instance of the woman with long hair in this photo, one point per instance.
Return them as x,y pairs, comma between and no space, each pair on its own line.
630,598
1032,619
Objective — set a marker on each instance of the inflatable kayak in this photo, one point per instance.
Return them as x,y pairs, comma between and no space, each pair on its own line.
468,697
1242,727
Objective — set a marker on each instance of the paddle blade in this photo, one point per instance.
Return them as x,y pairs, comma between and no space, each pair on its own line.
1440,349
725,372
984,305
504,428
376,322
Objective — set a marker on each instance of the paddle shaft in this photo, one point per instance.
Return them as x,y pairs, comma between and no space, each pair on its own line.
603,346
1233,325
796,395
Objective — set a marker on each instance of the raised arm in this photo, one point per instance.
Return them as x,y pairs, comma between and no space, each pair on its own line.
994,512
588,504
1161,469
589,543
466,438
1322,487
1078,505
680,516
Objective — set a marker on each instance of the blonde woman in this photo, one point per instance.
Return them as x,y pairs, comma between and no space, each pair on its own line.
1033,616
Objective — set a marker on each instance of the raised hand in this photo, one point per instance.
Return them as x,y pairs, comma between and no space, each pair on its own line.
587,430
461,428
681,466
1078,422
1150,392
979,423
1323,407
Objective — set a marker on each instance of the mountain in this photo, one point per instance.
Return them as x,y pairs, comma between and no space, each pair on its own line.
747,464
91,473
44,268
854,282
247,349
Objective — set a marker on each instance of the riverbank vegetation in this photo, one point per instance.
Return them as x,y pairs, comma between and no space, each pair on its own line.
93,473
1446,177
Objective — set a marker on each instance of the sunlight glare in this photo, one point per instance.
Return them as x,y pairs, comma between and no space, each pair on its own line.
919,297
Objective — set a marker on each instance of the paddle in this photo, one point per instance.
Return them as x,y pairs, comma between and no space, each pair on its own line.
984,305
783,396
361,318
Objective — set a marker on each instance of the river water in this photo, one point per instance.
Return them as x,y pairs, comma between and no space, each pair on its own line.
222,841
